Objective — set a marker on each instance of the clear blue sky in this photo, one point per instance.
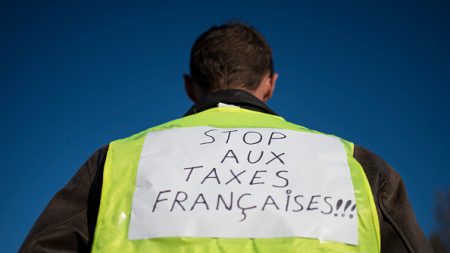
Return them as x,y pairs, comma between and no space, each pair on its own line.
75,76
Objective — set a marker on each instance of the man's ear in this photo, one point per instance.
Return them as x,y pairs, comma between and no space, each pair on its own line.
189,84
269,87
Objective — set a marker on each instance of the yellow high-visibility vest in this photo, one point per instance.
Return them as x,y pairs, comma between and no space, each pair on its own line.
123,223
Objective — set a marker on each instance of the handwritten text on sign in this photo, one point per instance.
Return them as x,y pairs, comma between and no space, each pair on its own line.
243,183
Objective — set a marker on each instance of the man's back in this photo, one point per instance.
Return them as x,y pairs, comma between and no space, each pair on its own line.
230,64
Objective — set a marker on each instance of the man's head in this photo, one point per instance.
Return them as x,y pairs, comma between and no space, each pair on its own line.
231,56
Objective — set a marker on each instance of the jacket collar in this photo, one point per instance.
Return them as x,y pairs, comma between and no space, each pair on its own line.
235,97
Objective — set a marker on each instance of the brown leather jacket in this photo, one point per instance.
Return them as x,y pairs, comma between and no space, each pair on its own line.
68,222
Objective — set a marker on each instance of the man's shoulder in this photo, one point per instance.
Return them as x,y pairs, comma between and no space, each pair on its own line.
379,173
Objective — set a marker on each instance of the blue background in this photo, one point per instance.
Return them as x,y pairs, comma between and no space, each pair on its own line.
75,76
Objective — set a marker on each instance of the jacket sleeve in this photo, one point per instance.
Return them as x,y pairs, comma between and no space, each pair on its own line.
67,223
400,232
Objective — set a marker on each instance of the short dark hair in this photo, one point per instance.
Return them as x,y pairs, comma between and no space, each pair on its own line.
233,55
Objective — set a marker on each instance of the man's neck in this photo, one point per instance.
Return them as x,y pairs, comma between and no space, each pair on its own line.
237,97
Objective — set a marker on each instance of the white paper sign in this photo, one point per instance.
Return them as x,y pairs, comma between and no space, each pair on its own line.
243,183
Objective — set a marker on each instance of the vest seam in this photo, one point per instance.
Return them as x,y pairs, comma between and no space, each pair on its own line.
377,220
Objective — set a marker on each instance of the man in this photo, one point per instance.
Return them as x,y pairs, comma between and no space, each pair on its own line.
230,176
